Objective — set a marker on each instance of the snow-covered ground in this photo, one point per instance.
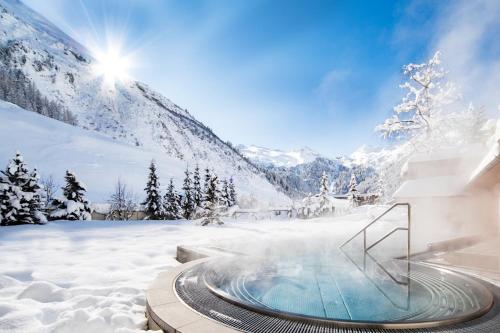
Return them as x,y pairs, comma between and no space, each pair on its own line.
91,276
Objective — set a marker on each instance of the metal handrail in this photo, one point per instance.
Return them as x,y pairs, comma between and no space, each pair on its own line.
384,237
363,231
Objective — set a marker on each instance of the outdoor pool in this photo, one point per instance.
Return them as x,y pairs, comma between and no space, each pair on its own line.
331,286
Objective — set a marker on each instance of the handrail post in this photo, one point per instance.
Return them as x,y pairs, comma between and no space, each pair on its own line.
364,241
409,232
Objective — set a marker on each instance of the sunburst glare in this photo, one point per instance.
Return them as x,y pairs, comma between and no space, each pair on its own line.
111,64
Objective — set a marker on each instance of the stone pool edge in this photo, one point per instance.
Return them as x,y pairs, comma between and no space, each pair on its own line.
166,312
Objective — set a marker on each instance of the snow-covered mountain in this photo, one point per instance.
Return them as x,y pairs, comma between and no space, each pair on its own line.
298,172
267,156
132,113
303,179
98,160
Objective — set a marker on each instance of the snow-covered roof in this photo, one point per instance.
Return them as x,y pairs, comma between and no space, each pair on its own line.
468,151
491,158
444,186
102,208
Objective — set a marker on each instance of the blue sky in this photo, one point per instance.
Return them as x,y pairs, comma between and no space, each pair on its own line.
281,74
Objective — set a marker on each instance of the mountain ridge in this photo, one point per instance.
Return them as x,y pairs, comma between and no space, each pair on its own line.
132,112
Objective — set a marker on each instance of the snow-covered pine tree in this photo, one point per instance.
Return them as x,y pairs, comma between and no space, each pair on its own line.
197,193
323,187
5,206
187,203
20,195
232,192
74,206
153,205
225,197
353,190
34,189
211,202
171,202
325,205
13,207
208,177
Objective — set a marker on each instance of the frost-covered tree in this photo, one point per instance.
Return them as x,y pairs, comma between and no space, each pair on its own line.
232,192
187,203
123,203
430,117
197,193
428,92
74,206
353,190
323,188
49,187
225,197
171,202
20,194
152,204
206,184
324,199
211,202
321,204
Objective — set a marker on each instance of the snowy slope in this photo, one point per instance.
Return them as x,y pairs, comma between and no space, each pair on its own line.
267,156
132,113
98,160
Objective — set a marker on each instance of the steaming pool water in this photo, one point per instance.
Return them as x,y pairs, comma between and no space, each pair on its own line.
333,286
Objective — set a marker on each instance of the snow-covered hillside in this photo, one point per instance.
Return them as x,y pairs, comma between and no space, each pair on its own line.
280,158
131,113
53,147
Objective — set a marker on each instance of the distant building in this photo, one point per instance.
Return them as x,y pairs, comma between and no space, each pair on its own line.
453,194
101,212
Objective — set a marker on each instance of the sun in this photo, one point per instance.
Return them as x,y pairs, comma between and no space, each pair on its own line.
111,65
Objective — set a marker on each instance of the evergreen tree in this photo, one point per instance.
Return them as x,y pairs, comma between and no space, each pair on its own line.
208,177
324,199
75,206
232,192
171,202
187,203
197,193
323,187
35,200
6,209
13,178
211,202
153,203
20,195
225,195
353,190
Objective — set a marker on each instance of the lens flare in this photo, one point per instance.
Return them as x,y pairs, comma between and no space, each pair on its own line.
111,65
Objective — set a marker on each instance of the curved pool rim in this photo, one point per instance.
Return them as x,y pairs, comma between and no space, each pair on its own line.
409,324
